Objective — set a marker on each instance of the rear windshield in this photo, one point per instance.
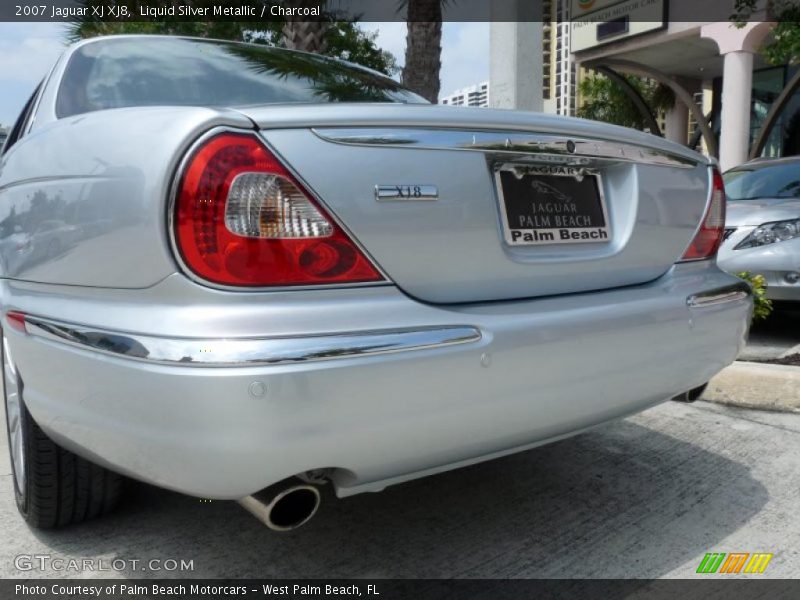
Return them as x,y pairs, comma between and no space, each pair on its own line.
751,182
116,73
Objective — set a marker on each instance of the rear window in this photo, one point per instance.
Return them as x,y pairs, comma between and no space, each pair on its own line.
751,182
116,73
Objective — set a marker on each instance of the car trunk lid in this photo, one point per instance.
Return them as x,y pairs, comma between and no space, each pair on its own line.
435,195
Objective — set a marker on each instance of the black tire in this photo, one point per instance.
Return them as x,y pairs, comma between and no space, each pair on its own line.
59,487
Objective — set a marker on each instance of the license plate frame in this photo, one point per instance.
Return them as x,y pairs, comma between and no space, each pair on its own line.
545,227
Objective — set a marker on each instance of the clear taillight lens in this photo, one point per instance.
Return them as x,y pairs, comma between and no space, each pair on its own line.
708,238
271,207
242,219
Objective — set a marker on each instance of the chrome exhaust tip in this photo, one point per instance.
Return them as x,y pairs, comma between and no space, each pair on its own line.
287,509
692,395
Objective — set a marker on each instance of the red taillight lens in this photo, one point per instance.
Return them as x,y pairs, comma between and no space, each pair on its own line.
708,238
241,219
17,320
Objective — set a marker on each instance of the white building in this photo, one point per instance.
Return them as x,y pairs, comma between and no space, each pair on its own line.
738,105
729,101
564,86
474,95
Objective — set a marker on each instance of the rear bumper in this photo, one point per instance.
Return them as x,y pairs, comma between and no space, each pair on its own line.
781,290
537,370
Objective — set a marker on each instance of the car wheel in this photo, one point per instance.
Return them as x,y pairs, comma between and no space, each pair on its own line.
53,487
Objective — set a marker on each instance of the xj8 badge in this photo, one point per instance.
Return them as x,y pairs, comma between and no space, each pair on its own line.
405,193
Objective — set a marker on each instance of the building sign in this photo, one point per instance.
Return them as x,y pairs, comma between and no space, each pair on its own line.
597,22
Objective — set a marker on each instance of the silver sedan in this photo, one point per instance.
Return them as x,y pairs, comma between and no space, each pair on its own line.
286,271
762,232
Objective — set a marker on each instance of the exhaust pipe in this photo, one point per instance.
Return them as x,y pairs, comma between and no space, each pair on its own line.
692,395
283,506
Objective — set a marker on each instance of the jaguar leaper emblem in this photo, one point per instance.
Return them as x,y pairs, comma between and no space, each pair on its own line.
545,189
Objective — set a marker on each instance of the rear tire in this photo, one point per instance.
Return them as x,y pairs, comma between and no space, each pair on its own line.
53,487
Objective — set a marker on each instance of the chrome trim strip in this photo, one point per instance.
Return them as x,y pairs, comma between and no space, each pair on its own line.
556,149
731,293
249,351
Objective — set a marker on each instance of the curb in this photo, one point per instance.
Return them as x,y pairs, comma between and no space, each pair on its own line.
791,351
756,385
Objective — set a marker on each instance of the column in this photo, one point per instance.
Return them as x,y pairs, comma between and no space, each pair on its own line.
515,56
737,87
737,46
676,123
708,106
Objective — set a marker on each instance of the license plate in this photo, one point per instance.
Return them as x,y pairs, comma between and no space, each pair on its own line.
551,205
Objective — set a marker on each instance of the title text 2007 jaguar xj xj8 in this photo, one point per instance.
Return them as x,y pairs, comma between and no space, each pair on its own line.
239,272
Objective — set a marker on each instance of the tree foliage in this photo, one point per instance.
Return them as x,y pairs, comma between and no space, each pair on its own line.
762,306
604,100
266,32
331,81
345,39
784,45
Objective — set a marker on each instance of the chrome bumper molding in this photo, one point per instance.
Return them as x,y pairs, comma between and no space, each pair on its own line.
730,293
249,351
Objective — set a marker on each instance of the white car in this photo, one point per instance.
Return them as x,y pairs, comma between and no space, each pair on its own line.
762,227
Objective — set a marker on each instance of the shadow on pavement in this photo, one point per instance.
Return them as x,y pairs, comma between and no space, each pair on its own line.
621,501
777,334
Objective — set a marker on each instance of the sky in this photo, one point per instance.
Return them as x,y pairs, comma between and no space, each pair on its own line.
29,50
465,51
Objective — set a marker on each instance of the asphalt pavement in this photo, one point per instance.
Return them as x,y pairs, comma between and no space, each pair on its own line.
644,497
775,337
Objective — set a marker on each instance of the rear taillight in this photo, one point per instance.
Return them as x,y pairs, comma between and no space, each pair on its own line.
16,320
708,238
242,219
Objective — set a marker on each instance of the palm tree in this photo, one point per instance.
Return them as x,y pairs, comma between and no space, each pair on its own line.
331,81
308,36
423,48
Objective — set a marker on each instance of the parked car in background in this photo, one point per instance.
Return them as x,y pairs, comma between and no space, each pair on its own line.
286,270
762,227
